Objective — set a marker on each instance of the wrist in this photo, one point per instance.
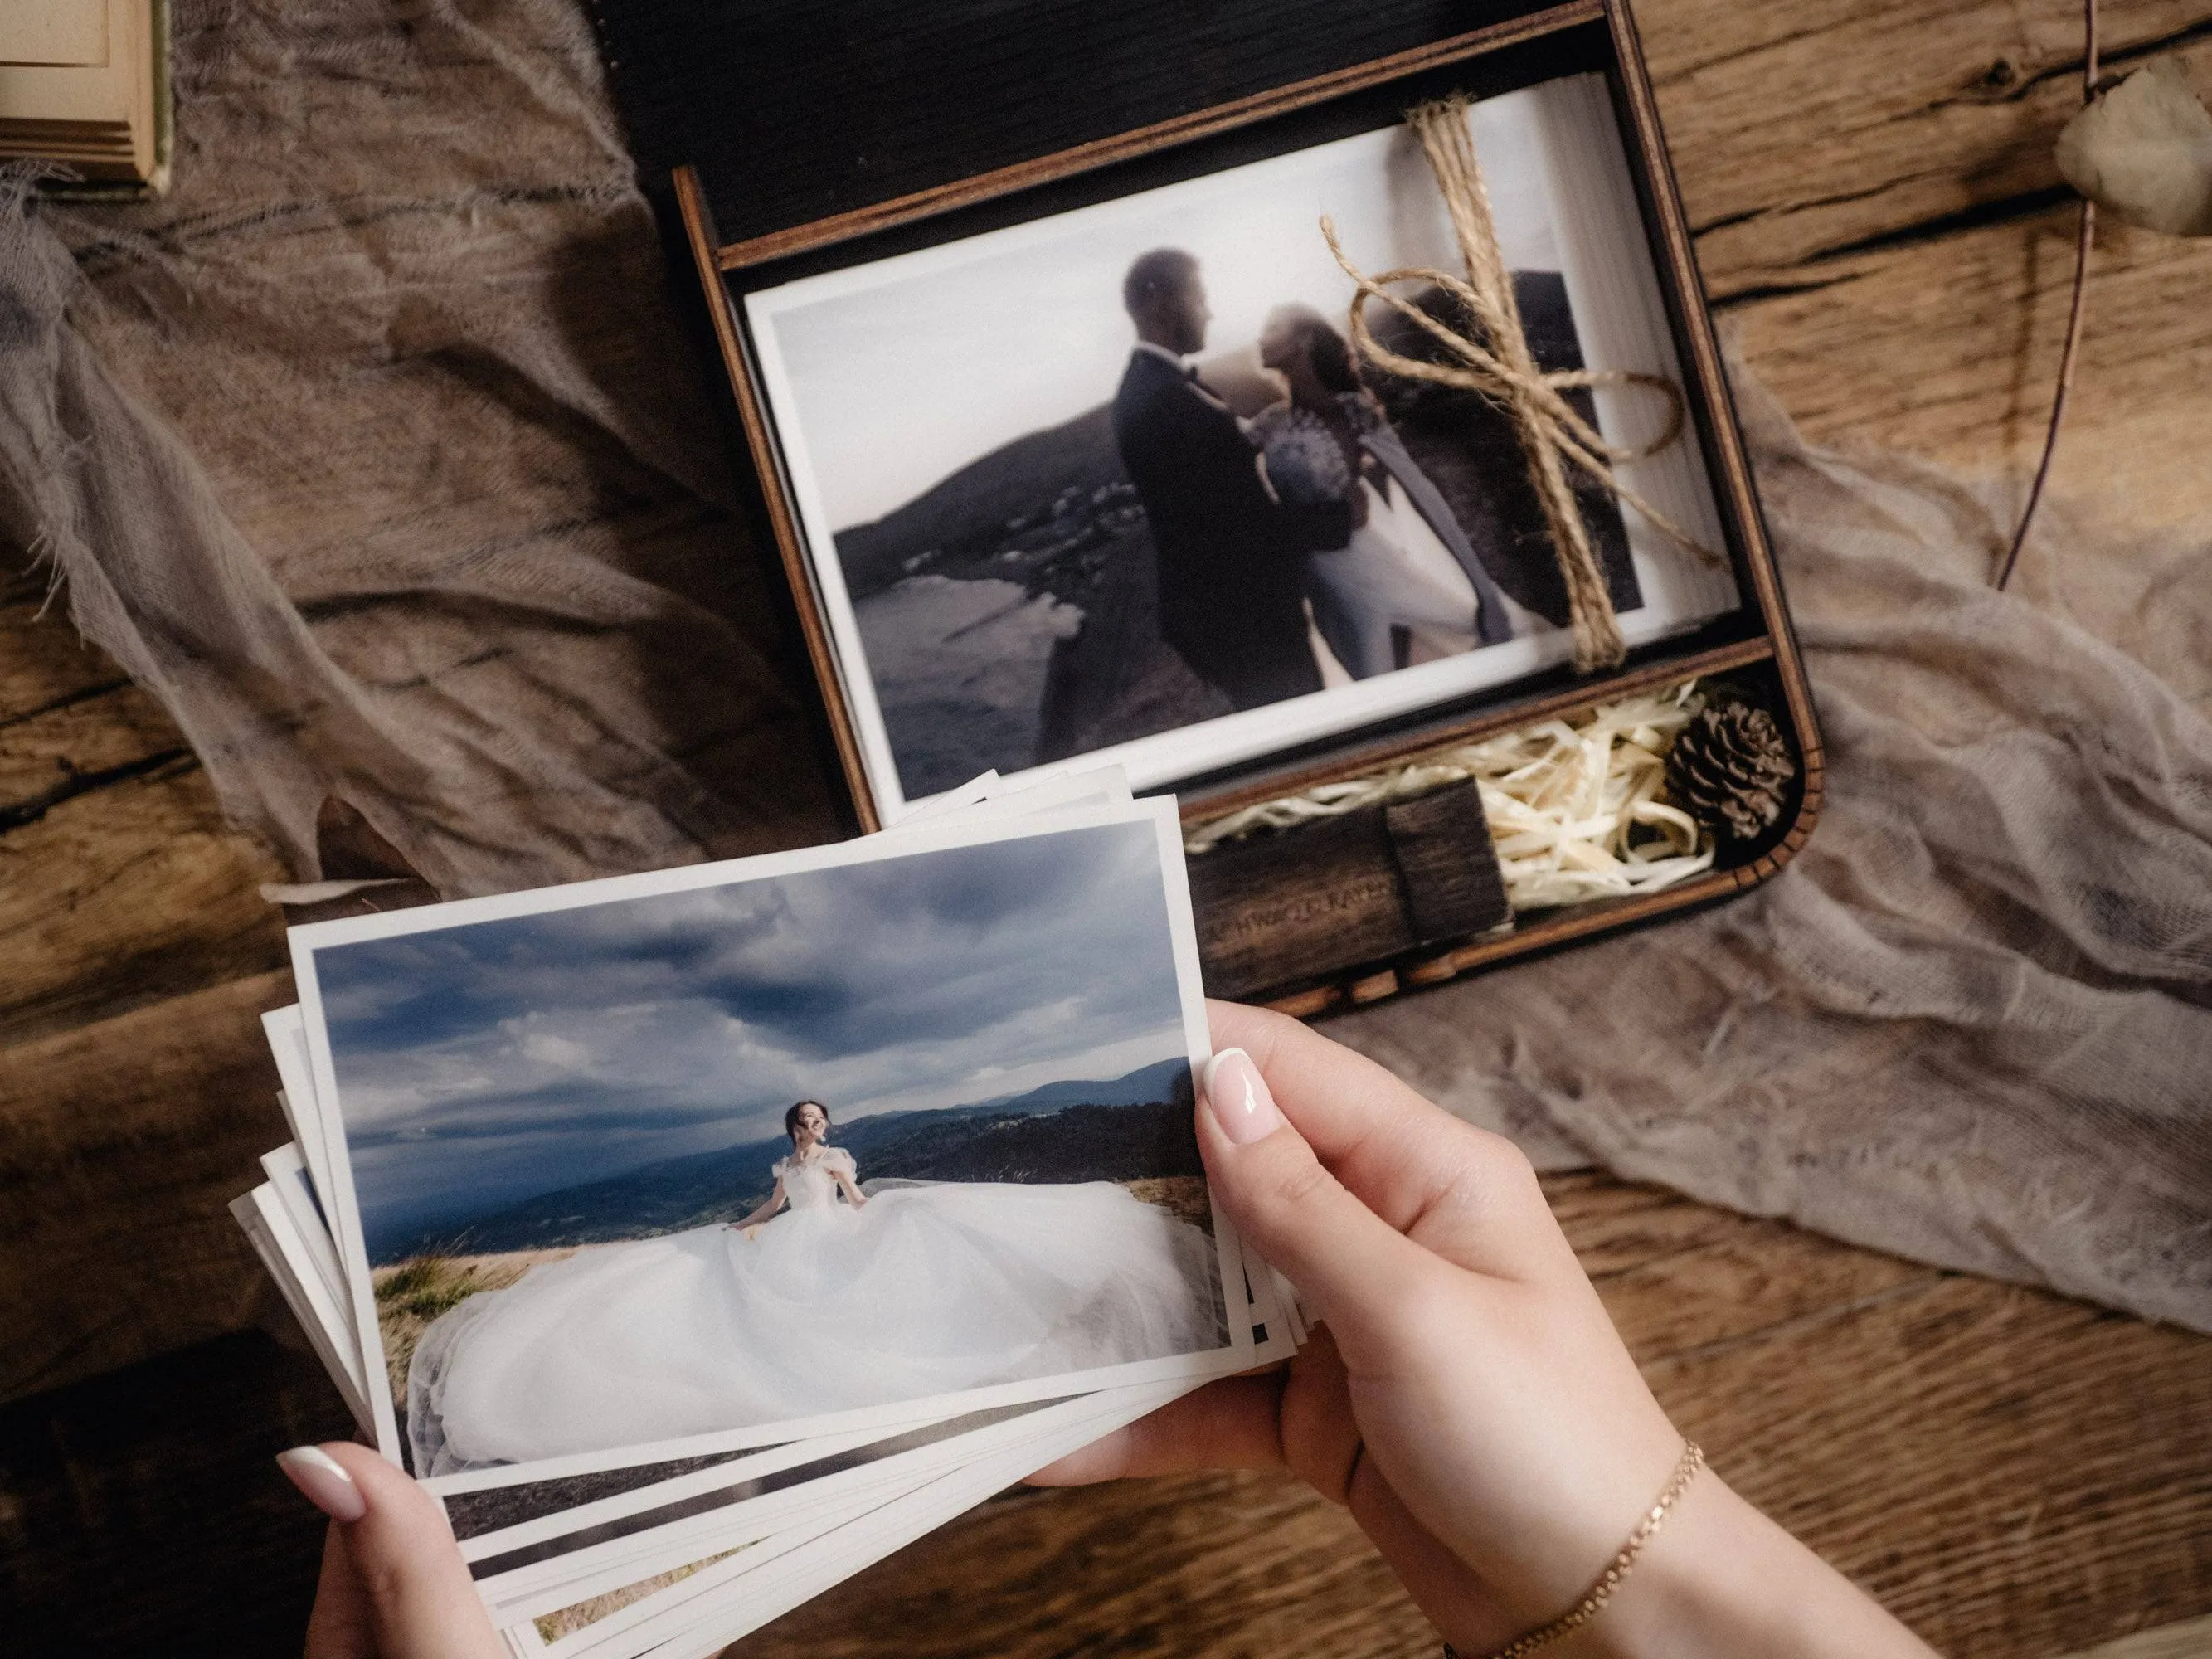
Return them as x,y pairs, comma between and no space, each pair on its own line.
1686,1581
1720,1579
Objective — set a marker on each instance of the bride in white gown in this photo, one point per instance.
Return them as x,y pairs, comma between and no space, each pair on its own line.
843,1301
1408,567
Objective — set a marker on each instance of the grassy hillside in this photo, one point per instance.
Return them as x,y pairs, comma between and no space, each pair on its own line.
410,1296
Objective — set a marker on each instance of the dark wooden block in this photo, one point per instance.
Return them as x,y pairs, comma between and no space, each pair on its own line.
1453,885
1327,896
1297,905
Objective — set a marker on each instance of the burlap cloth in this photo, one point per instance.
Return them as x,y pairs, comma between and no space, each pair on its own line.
378,453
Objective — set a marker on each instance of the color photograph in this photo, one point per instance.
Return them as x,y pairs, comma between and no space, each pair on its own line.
681,1163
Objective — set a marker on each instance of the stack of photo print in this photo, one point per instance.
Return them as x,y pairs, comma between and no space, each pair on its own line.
699,1238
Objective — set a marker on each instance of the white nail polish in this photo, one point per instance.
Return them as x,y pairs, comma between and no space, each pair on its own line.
1254,1116
323,1480
1206,1078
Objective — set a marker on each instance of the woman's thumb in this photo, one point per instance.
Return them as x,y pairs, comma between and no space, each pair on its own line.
1349,1263
417,1596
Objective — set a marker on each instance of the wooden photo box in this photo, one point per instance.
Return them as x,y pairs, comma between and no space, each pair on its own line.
1312,409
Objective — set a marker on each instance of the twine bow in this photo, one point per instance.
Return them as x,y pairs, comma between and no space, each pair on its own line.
1505,374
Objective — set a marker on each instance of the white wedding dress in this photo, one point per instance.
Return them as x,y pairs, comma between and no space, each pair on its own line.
927,1289
1395,572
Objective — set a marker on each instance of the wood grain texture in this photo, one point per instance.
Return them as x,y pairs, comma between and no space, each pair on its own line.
1949,349
2190,1639
135,952
1442,843
123,897
120,882
1884,231
1274,910
121,1142
1881,120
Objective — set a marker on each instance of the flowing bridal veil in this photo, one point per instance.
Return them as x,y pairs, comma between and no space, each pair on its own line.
928,1289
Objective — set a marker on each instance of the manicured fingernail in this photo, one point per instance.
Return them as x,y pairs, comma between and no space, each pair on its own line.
324,1482
1238,1097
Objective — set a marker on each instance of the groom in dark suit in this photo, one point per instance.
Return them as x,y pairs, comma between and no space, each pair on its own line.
1231,557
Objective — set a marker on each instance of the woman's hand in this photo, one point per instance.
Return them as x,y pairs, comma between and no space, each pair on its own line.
1468,1399
393,1583
766,1208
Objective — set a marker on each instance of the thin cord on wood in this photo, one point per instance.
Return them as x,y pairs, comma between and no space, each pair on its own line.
2084,244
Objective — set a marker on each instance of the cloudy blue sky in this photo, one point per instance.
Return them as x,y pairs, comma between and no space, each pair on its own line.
479,1066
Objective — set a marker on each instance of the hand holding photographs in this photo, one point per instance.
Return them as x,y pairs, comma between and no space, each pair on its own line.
684,1217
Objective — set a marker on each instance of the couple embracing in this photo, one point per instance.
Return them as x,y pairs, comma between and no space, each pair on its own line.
1313,502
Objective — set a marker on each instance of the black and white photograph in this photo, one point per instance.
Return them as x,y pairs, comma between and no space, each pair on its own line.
827,1139
1117,482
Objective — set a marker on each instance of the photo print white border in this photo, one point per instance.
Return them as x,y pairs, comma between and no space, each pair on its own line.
1621,317
721,1601
1277,1332
1235,1354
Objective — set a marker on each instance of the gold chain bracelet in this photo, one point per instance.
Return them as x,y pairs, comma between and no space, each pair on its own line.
1590,1606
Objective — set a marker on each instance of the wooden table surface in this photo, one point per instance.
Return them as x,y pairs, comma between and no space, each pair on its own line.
1882,230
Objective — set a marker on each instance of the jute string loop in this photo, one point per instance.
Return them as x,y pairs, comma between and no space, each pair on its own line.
1500,368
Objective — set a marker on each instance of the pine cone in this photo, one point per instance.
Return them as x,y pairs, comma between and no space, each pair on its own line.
1730,769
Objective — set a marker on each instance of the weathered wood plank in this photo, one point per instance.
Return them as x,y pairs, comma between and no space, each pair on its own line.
141,1514
1241,1566
1681,1278
2190,1639
126,895
1801,131
1950,349
1885,232
43,662
119,882
1968,1453
121,1143
81,745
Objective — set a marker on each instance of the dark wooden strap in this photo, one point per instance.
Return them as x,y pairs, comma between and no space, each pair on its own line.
1449,867
1346,893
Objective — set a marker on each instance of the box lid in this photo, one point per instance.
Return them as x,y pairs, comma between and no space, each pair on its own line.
793,111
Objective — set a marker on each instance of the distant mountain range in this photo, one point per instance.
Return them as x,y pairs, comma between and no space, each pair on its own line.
1124,1128
1167,1080
1011,513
